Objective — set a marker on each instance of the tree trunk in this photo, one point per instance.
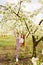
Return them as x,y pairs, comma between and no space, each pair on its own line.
34,51
34,46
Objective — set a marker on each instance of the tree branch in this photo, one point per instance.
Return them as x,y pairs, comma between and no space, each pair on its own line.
27,35
38,41
8,8
19,6
40,22
35,30
34,41
27,27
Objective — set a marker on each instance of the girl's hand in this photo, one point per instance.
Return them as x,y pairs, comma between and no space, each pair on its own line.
15,32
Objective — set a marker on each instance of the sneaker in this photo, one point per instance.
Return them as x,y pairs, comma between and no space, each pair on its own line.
16,59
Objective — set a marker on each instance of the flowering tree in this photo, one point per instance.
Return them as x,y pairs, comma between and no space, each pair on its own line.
14,17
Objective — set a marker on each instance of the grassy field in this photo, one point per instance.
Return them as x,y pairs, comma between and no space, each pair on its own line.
8,49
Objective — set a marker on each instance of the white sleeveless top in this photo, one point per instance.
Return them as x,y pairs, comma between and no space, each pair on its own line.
21,40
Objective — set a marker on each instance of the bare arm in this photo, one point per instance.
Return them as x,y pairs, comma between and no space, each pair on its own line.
15,33
27,35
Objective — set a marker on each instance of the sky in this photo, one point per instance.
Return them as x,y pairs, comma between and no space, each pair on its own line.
4,1
34,5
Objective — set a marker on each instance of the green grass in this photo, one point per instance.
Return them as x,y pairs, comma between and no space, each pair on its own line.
10,42
7,41
7,50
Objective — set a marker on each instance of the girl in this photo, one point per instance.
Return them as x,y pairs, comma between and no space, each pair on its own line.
20,41
17,44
